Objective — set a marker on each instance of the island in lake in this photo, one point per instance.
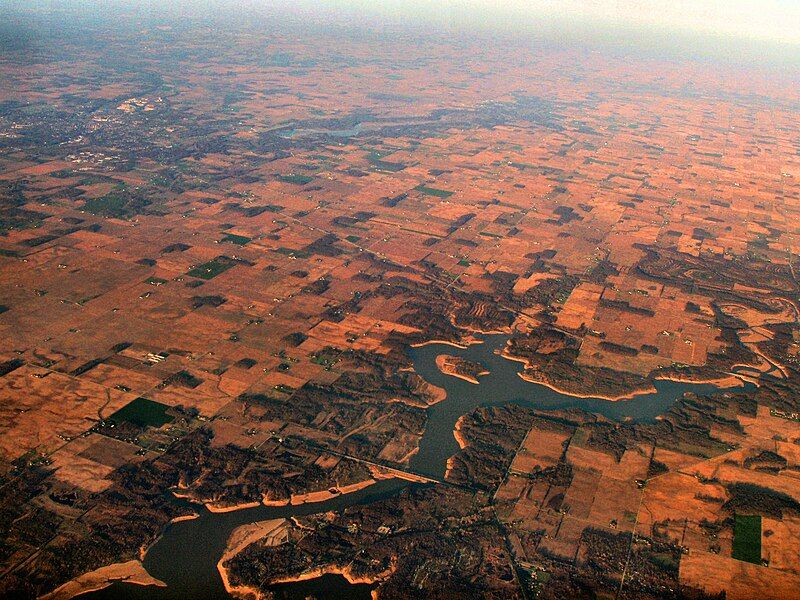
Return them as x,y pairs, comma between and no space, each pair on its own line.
462,368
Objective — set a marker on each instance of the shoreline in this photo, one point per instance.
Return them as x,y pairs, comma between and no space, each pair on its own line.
185,518
312,497
448,467
727,381
551,386
324,495
437,394
470,342
144,549
278,503
295,499
433,394
411,453
217,509
329,570
629,396
723,381
246,535
460,439
132,572
466,378
240,538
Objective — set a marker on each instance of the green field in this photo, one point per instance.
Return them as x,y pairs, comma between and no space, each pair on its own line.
295,179
429,191
142,412
747,538
376,160
239,240
108,205
119,203
212,268
290,252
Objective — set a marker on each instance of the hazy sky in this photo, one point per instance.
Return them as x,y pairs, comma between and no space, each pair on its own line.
728,29
773,20
776,20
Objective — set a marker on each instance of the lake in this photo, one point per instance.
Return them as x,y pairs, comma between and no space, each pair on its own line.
186,556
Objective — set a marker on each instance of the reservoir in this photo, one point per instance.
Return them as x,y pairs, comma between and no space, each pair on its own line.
503,385
186,556
357,129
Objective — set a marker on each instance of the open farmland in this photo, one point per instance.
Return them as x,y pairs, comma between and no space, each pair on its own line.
218,246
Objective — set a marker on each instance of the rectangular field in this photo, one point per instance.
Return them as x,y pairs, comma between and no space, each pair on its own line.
747,538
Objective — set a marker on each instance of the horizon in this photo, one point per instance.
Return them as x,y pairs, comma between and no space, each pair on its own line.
737,29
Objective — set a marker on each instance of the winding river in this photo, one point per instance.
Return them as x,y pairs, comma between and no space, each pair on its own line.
185,557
